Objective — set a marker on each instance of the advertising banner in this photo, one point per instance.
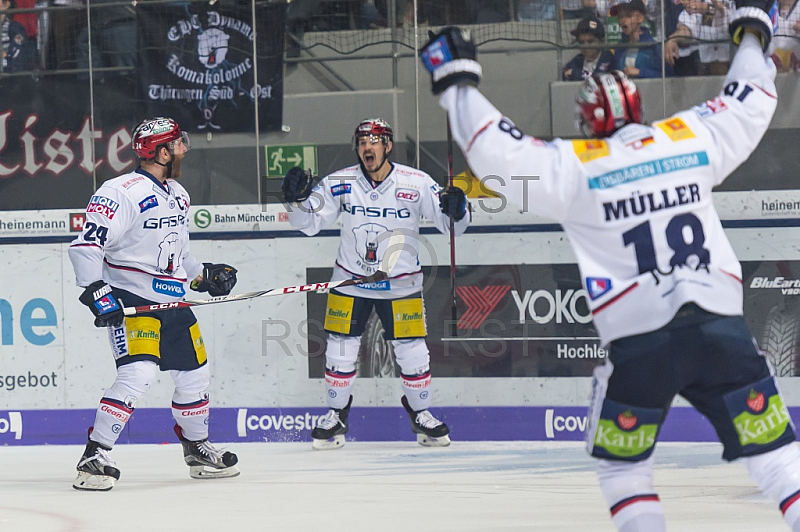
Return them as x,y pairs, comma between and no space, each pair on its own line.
533,321
198,67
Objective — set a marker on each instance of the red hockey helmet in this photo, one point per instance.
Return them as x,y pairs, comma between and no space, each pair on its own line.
605,103
154,132
373,127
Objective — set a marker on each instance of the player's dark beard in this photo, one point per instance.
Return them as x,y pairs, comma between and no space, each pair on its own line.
175,168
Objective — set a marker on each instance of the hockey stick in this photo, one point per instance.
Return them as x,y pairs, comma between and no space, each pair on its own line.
389,261
453,311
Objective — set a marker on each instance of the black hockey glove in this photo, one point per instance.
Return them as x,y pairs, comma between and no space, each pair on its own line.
100,299
218,280
450,58
761,15
453,201
297,185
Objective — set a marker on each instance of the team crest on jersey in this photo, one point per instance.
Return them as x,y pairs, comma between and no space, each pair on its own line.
367,242
148,203
406,194
597,286
675,128
344,188
711,107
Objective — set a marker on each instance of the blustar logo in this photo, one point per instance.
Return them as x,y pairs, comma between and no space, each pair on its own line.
561,305
12,423
554,423
273,422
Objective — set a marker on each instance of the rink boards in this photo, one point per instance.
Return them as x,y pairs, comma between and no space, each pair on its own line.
518,367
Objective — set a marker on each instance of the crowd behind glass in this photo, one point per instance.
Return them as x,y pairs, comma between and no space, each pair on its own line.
692,38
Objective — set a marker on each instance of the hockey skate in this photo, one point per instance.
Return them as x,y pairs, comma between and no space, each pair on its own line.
430,431
205,460
331,428
96,470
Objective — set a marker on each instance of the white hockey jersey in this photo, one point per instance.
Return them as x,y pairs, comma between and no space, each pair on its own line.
369,212
637,207
136,237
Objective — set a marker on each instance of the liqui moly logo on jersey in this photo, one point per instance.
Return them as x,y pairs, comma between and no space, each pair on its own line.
102,205
11,423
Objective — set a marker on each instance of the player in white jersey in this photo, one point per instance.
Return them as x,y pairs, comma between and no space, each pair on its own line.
374,198
665,287
134,250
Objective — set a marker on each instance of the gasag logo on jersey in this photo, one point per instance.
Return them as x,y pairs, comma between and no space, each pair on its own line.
375,212
405,194
103,205
344,188
597,286
11,423
711,107
165,221
169,288
555,423
148,203
788,287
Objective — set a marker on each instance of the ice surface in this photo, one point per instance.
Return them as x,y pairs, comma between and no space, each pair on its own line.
399,486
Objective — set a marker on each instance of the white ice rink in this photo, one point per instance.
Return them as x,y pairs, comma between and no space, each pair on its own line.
474,486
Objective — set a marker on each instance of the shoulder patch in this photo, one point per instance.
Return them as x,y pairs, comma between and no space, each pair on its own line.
148,203
344,188
711,107
589,150
675,128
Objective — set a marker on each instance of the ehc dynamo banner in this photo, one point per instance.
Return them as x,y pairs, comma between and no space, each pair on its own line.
197,64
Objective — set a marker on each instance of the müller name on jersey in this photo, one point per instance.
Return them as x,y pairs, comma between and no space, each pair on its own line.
641,203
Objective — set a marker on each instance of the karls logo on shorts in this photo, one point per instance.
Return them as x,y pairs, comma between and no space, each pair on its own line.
148,203
344,188
169,288
102,205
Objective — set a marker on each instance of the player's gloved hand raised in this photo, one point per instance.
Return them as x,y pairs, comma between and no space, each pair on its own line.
297,185
450,58
100,299
453,201
761,15
217,280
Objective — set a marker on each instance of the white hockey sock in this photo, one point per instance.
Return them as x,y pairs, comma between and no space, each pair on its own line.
632,500
119,401
418,390
777,474
338,387
190,403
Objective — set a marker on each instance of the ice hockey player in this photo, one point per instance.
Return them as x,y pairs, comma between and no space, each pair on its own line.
134,250
664,284
374,198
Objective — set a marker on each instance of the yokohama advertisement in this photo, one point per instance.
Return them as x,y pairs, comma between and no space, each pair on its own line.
533,321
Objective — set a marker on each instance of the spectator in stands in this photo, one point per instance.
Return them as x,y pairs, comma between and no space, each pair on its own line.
703,21
113,38
589,33
18,51
636,62
787,38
